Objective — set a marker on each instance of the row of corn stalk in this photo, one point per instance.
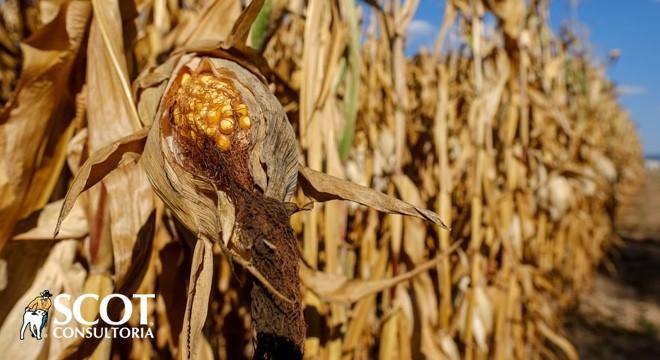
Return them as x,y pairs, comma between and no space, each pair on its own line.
514,136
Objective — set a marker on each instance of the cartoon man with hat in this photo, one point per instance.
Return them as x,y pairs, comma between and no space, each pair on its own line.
41,302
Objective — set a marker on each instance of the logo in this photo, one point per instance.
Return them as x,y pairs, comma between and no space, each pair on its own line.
67,309
35,316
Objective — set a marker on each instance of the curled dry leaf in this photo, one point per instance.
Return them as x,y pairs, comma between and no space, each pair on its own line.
199,289
323,187
98,166
209,29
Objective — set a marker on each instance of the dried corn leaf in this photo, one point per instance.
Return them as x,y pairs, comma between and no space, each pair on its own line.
109,96
199,289
100,164
39,103
322,187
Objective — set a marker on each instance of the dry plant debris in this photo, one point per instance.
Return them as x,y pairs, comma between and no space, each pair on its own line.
236,116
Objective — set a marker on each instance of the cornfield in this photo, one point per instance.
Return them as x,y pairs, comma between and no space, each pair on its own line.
511,136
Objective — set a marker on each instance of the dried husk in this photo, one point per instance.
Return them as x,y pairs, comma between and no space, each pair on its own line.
274,149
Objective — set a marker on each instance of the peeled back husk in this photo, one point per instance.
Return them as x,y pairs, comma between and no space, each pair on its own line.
195,201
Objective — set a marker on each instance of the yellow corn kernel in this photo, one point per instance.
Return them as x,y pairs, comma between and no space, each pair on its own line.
185,78
226,110
210,131
223,142
242,109
213,116
245,122
226,126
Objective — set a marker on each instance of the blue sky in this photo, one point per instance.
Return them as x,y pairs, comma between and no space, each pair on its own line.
632,26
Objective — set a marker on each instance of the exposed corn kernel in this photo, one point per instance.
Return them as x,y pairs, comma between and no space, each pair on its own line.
208,107
242,109
223,142
245,122
226,111
210,131
185,78
226,126
213,116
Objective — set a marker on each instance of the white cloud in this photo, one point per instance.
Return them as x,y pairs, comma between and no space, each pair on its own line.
630,90
420,29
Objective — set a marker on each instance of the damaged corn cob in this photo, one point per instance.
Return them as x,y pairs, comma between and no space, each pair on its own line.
206,105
